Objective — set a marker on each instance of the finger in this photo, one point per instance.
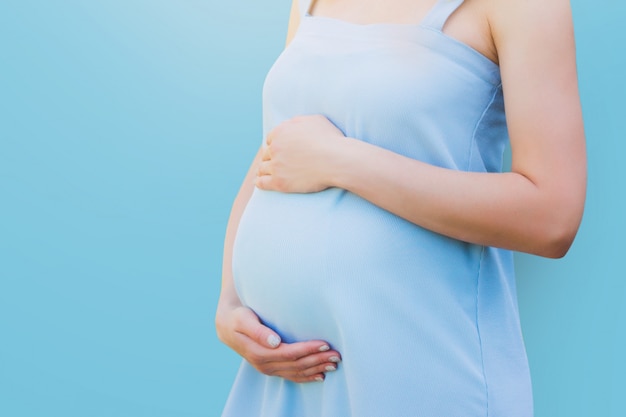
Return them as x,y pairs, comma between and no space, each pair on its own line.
287,357
309,379
304,367
316,373
306,373
265,168
263,182
266,155
307,369
292,352
248,324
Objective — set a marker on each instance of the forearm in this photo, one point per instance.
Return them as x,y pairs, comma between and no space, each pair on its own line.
228,295
505,210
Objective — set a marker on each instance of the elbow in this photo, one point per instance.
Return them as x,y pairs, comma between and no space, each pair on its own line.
556,247
558,222
557,237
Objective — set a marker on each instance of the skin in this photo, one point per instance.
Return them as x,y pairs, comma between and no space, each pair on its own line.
239,328
535,208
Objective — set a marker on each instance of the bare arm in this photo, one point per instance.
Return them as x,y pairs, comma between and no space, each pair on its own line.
228,295
240,328
536,208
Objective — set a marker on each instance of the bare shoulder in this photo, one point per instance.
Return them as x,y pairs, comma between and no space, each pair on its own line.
534,40
294,20
537,54
530,22
518,13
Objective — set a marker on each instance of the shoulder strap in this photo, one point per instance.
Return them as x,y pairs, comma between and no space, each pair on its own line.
438,15
304,6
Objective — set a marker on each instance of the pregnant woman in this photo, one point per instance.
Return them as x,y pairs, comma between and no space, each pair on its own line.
368,267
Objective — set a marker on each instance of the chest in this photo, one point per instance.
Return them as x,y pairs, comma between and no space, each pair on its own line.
469,24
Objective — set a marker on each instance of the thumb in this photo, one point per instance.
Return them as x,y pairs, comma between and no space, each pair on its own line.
251,326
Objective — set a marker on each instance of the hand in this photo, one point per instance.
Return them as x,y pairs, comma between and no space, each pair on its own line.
297,155
241,330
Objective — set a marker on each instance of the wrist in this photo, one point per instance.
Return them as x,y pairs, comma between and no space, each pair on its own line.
341,166
228,300
223,317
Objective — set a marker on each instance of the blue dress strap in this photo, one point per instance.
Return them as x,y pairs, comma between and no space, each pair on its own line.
438,14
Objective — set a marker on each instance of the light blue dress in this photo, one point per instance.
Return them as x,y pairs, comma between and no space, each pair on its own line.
427,325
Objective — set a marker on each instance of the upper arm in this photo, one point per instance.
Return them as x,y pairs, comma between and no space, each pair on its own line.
536,50
294,21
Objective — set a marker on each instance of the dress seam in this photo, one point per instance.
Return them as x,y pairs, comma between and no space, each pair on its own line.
480,341
470,152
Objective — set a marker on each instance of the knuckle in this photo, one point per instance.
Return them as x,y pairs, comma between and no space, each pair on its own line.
257,333
259,368
254,358
303,364
300,368
269,371
279,183
291,356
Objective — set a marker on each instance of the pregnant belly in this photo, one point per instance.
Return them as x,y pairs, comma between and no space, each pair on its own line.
312,265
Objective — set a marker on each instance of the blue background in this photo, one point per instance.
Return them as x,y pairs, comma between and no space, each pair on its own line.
126,128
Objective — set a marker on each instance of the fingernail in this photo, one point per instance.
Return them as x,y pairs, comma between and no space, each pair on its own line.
319,379
330,368
273,340
334,359
324,348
